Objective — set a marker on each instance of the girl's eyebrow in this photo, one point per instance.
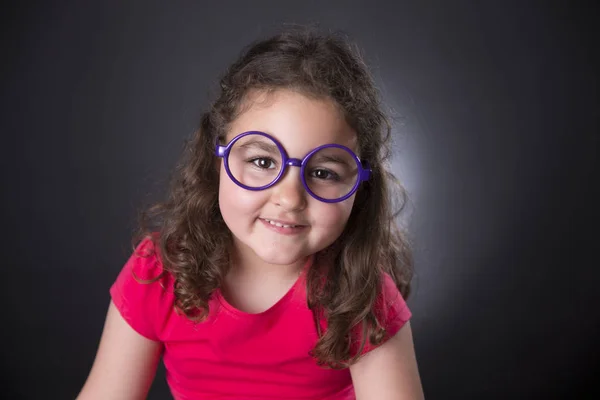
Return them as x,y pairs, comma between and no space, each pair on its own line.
261,145
272,148
332,158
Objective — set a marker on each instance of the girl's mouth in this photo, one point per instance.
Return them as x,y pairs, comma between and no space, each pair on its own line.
284,228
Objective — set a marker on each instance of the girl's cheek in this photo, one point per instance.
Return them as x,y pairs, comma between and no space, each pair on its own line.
248,201
239,199
332,216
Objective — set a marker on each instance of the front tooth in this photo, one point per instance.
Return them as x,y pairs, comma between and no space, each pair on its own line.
279,225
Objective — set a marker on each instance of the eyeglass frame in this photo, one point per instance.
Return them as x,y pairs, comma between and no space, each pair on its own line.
364,172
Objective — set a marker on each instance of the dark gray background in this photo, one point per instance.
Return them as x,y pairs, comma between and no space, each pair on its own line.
496,111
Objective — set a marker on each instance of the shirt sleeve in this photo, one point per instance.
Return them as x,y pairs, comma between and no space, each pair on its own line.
141,293
391,309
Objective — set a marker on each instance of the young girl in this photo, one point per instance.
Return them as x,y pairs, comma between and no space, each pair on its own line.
275,269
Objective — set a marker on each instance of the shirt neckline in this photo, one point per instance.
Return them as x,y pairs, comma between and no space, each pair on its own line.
280,303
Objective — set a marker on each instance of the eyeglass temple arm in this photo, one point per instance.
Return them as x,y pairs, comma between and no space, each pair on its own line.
365,173
219,150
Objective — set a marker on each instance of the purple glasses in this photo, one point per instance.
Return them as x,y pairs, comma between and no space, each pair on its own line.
256,161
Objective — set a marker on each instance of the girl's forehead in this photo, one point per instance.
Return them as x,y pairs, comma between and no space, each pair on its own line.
298,122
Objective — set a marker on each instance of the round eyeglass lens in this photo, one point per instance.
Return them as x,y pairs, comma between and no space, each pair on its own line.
255,160
331,173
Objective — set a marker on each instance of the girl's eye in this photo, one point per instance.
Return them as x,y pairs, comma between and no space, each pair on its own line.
263,163
325,175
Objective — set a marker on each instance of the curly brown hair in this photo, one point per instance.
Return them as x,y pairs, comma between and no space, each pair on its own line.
194,241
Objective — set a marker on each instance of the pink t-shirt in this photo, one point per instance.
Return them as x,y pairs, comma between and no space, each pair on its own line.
233,354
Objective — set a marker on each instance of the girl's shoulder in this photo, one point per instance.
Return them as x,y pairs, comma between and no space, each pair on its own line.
143,290
391,310
390,297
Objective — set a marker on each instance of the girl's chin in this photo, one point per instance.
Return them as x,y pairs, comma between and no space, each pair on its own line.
282,259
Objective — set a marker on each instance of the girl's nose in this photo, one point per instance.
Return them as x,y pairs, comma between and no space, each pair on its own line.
289,193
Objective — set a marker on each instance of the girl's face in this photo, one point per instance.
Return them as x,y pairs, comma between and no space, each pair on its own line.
299,124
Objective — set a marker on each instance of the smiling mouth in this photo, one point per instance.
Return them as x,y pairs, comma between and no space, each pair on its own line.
283,228
282,225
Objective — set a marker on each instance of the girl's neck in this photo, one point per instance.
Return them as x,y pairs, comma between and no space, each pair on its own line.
245,262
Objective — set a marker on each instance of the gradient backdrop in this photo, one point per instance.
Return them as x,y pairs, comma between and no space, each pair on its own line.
496,111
